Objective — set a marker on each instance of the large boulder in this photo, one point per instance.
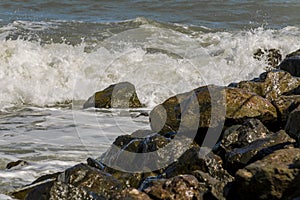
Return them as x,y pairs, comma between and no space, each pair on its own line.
277,176
239,136
291,63
293,126
285,105
185,187
208,107
241,157
272,84
121,95
80,182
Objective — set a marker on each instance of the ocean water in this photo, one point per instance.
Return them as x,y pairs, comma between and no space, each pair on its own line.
55,54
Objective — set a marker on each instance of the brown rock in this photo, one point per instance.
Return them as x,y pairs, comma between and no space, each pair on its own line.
293,124
291,63
184,187
208,107
273,177
121,95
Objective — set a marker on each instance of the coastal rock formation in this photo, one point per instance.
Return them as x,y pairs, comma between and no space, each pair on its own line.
291,63
255,156
272,85
121,95
210,106
241,157
293,124
277,176
185,187
239,136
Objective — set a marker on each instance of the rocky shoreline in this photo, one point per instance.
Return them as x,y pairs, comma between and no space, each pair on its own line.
252,150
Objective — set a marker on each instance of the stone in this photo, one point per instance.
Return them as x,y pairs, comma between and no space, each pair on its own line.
273,177
285,105
239,136
185,187
80,181
272,84
131,194
291,63
195,159
121,95
208,107
14,164
293,126
241,157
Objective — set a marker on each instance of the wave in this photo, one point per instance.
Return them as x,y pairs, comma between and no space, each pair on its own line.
160,59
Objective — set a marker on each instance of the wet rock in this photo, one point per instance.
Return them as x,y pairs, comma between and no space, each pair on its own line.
239,136
210,187
285,105
18,163
183,187
80,181
272,85
131,194
273,177
134,154
121,95
293,124
271,56
241,157
195,159
291,63
208,107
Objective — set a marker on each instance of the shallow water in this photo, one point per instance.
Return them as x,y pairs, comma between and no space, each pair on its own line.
54,55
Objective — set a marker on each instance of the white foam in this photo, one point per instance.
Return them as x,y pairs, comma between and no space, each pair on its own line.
37,74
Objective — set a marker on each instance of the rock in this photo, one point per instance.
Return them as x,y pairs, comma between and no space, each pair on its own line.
293,126
291,63
80,182
183,187
197,110
131,194
271,56
272,84
239,136
121,95
18,163
193,159
134,154
285,105
273,177
241,157
211,188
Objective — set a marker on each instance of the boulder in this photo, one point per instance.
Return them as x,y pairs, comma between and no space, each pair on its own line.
272,84
241,157
131,194
195,159
291,63
80,181
239,136
208,107
276,176
293,126
285,105
185,187
121,95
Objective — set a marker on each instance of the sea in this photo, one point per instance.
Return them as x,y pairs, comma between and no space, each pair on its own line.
55,54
